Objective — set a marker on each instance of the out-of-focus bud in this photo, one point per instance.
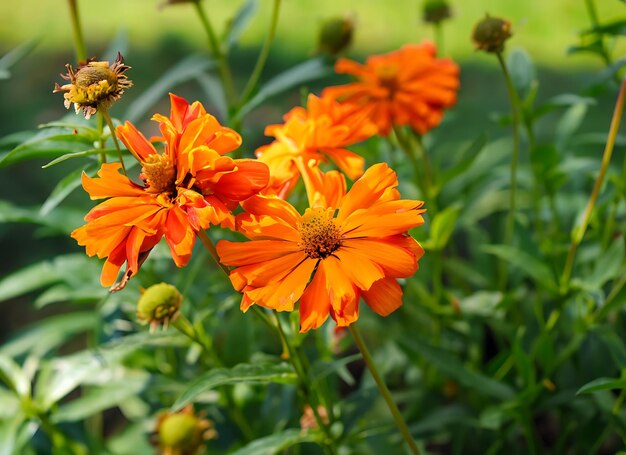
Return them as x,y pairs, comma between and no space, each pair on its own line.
159,305
336,35
183,433
94,85
491,33
435,11
308,421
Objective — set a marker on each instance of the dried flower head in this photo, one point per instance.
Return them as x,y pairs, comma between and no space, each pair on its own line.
435,11
183,433
491,33
336,35
94,85
159,305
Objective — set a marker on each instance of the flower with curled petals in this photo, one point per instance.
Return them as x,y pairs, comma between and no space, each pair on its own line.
344,247
317,133
410,86
185,189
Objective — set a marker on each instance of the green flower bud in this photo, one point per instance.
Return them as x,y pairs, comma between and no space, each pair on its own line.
491,33
159,304
183,433
435,11
336,35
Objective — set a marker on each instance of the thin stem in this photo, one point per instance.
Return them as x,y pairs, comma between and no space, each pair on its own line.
262,59
304,386
382,387
79,41
438,37
208,244
103,156
515,114
107,117
593,16
222,61
579,233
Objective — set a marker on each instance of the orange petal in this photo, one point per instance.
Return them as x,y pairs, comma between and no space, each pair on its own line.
344,298
397,255
135,142
111,183
314,303
250,177
384,297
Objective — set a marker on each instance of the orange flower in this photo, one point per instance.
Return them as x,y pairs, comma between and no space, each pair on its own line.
313,135
346,246
188,187
409,86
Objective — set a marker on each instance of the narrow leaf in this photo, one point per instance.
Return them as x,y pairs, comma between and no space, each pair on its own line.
273,444
602,384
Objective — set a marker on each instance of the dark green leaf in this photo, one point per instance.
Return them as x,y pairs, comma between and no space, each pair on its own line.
617,27
81,154
183,71
531,265
273,444
304,72
602,384
239,23
242,373
64,188
608,265
48,334
452,367
61,221
13,56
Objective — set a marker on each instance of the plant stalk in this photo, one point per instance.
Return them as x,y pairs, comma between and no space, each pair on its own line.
77,31
107,117
382,387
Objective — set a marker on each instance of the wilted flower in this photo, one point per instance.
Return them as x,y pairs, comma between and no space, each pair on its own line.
94,85
159,305
183,432
410,86
345,246
490,34
189,187
308,420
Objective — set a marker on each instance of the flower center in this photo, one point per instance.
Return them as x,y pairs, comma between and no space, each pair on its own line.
387,75
93,83
319,235
158,173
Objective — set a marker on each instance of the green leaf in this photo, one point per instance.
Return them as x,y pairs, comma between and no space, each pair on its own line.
273,444
49,333
215,93
81,154
617,27
64,188
242,373
452,367
14,377
442,227
532,266
47,143
569,123
9,429
522,71
304,72
13,56
63,374
323,369
183,71
62,220
608,266
98,399
602,384
240,22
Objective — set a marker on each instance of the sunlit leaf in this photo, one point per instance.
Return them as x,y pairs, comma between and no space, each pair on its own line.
242,373
273,444
602,384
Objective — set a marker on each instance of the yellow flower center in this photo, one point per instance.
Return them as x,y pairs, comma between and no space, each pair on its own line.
159,173
319,235
93,83
387,75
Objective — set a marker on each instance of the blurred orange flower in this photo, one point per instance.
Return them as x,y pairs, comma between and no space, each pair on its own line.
409,86
313,135
188,187
346,246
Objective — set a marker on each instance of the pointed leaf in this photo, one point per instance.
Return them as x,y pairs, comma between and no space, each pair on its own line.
273,444
242,373
602,384
240,22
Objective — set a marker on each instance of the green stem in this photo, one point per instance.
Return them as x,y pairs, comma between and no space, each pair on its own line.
262,59
222,61
208,244
438,37
593,16
107,117
303,377
382,387
414,150
103,156
515,114
579,233
79,41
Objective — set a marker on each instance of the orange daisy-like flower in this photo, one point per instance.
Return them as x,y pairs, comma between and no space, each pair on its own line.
185,189
409,86
346,246
313,135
